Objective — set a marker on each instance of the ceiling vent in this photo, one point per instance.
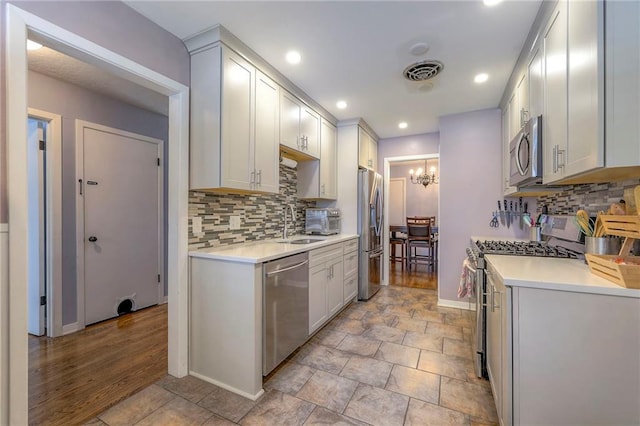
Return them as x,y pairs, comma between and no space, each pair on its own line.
424,70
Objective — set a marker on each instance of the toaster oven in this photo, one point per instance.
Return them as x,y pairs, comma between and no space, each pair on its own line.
322,221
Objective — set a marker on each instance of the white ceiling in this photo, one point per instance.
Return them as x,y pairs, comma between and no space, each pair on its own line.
357,50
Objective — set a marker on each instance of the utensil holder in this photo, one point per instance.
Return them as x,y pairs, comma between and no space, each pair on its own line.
535,233
602,245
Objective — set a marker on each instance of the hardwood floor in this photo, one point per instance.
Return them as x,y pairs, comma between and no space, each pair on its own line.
418,277
73,378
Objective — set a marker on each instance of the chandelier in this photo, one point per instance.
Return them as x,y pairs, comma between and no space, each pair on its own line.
424,178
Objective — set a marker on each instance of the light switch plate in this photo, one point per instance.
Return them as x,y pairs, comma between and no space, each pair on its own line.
234,222
196,225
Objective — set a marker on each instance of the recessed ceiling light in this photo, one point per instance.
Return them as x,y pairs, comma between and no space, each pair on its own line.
481,78
293,57
403,125
419,49
32,45
491,2
341,104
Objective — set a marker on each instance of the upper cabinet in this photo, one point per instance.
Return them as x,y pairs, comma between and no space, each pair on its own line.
583,66
226,92
243,111
367,150
299,126
319,179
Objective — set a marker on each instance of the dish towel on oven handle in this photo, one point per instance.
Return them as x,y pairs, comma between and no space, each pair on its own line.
467,280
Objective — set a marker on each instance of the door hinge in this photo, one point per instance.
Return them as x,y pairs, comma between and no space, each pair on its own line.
41,145
158,277
43,300
158,161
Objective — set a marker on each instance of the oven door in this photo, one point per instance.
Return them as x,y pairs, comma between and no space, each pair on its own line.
480,332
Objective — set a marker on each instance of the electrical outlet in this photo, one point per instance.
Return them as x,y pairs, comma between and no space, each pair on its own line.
196,225
234,222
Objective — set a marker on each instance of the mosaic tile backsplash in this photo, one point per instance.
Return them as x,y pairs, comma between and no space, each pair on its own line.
590,197
261,215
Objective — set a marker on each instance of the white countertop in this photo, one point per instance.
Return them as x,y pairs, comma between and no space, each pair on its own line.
263,251
554,274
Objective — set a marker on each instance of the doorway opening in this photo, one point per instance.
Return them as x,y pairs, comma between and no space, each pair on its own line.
402,199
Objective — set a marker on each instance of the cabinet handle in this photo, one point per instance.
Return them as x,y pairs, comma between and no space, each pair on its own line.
298,141
252,178
259,177
322,189
493,304
555,158
305,140
492,293
561,152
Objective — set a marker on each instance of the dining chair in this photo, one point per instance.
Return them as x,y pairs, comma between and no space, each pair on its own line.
401,240
419,237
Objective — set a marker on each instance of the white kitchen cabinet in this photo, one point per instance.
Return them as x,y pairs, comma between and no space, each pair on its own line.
325,284
535,73
317,179
350,270
499,344
554,121
367,150
507,189
299,126
230,147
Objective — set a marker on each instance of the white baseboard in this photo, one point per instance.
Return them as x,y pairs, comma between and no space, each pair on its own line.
459,304
70,328
227,387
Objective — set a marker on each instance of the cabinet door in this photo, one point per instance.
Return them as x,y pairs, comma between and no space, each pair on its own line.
585,147
267,148
237,137
289,121
318,312
335,285
555,95
328,161
514,125
506,159
310,130
536,84
494,342
363,148
373,154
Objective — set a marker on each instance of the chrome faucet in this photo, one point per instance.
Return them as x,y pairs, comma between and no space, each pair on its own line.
291,208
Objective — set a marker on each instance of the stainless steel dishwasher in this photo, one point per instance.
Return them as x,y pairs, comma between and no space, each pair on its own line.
285,306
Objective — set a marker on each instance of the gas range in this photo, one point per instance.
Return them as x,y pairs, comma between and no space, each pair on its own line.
526,248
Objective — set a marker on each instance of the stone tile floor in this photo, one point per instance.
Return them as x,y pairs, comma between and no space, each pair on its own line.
398,359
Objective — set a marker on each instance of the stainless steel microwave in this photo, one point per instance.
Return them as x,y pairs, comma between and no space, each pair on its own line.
525,154
322,221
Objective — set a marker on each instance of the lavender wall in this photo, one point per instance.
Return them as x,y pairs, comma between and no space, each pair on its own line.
114,26
420,201
426,143
470,185
73,102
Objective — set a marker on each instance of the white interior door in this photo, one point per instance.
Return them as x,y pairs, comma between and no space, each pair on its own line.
119,222
36,258
397,201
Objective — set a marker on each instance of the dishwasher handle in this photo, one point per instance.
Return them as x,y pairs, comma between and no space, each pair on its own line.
288,268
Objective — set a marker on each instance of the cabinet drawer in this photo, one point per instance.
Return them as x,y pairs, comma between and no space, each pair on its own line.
351,245
321,255
350,263
350,287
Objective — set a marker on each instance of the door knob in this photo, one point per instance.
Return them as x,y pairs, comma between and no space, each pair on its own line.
93,239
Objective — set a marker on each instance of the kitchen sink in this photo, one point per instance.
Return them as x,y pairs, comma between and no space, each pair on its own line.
302,241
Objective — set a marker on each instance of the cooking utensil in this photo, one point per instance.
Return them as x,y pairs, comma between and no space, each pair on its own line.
505,205
584,223
521,213
510,214
501,212
494,220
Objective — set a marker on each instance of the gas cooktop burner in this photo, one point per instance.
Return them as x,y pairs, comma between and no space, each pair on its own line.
525,248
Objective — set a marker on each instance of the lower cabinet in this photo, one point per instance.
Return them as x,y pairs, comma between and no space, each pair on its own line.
330,288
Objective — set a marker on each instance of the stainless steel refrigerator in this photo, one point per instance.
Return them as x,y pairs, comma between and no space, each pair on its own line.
370,231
